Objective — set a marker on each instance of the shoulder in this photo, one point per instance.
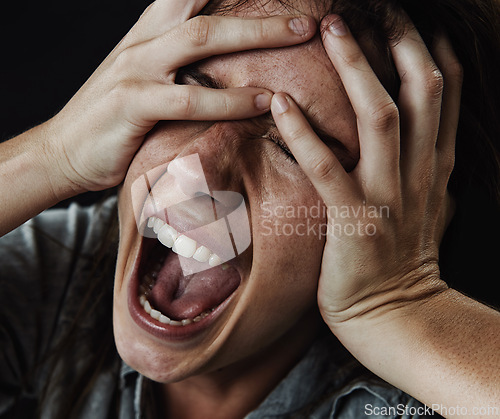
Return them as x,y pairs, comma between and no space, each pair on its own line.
330,383
373,398
354,392
56,232
45,266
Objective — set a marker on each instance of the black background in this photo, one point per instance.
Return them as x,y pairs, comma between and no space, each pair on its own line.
49,49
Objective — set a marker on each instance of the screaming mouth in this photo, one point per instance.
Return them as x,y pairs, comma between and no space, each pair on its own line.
169,296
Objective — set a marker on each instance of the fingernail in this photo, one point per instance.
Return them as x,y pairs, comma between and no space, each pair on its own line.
282,104
263,101
299,25
338,27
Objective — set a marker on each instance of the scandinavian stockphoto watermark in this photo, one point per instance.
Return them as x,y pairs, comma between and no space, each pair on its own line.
320,220
173,203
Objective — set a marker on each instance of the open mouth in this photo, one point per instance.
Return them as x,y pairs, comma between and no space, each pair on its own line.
166,299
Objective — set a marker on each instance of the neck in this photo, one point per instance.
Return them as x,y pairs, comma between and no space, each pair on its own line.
237,389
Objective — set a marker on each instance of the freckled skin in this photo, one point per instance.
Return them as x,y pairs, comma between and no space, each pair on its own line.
275,312
316,87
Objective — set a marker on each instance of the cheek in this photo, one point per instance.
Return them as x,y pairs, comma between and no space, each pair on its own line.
158,149
290,236
288,227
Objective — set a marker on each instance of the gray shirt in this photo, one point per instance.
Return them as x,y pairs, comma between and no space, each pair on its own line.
44,269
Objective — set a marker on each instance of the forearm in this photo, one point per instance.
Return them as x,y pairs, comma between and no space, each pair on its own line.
30,179
444,351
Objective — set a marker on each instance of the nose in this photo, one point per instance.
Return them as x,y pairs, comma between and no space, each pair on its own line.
211,211
198,192
189,175
211,161
207,167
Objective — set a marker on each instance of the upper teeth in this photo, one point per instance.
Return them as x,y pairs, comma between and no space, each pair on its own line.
181,244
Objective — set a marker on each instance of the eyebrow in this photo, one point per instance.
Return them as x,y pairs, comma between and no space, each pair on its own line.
211,82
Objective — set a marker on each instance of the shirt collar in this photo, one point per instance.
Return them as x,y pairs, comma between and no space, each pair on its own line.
131,385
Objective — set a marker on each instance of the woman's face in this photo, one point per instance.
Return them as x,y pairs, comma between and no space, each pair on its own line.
265,296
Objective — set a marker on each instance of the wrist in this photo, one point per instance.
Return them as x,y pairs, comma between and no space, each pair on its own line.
388,336
55,164
30,178
384,306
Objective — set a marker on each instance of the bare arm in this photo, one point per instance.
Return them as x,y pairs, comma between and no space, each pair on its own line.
30,181
444,351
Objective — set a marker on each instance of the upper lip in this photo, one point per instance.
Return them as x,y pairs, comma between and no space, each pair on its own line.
186,215
200,217
198,225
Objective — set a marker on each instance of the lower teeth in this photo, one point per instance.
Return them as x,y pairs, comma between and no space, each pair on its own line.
146,287
157,315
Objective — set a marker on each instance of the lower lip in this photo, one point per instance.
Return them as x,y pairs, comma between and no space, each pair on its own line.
161,330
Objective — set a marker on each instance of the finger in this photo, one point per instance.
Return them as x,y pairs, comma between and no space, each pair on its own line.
452,71
205,36
196,103
315,158
377,114
419,100
160,17
171,13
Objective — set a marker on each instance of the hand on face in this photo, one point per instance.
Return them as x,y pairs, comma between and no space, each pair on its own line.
384,253
99,131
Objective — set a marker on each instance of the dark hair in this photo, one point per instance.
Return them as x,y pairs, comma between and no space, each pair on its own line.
472,26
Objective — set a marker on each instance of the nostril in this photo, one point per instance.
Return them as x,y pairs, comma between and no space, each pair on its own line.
226,202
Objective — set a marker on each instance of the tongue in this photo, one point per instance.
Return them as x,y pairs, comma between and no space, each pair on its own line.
185,297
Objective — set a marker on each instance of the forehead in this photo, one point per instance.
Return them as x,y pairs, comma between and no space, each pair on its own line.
315,8
304,72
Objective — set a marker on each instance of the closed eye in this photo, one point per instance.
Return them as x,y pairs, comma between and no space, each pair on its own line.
333,143
190,75
276,138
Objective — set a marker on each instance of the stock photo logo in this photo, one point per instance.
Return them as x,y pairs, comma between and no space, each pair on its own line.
173,203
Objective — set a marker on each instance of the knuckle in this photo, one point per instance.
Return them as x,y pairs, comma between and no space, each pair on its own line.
261,30
184,103
322,167
197,30
448,163
384,117
434,83
124,61
227,107
122,91
298,132
353,57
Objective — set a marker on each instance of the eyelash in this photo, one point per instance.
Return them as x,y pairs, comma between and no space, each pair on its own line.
276,139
